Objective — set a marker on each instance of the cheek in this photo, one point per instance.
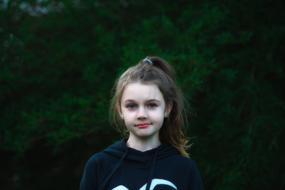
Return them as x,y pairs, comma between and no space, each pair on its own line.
127,116
157,115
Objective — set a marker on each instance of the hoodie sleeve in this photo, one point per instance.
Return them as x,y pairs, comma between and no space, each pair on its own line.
195,178
89,177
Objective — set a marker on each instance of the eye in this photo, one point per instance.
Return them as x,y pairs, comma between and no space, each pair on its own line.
131,106
152,105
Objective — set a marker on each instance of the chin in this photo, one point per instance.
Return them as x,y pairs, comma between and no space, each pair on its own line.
145,135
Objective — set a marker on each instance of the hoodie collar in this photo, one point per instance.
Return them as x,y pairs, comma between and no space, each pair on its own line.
120,147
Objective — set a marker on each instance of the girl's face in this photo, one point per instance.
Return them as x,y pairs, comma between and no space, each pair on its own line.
143,110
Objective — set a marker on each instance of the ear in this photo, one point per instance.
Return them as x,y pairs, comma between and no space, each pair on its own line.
168,110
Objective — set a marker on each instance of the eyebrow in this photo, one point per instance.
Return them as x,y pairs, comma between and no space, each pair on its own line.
150,100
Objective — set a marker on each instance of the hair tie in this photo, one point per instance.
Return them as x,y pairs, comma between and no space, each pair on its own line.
147,61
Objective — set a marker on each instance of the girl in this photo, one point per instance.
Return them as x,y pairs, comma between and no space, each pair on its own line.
147,108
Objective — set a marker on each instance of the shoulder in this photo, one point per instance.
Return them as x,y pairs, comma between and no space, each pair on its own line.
188,165
93,161
191,172
189,162
170,154
105,157
90,173
195,178
96,159
186,161
94,165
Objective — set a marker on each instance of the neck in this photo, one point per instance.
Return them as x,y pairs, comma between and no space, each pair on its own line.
142,144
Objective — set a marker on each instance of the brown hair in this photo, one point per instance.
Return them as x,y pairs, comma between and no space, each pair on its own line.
156,71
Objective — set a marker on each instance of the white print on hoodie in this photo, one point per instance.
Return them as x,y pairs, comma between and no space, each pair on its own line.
154,183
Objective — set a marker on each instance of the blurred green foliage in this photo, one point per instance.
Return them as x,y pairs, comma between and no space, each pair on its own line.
57,69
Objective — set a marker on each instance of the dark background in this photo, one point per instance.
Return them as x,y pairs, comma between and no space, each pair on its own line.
59,60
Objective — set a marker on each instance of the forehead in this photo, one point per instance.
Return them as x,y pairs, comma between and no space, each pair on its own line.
138,91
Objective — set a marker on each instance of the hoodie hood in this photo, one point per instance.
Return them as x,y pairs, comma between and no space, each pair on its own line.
120,148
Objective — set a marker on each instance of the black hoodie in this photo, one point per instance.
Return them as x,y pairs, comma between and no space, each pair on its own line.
122,168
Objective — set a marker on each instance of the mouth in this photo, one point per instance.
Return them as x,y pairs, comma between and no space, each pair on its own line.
142,125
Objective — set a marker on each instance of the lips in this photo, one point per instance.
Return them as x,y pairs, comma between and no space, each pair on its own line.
142,125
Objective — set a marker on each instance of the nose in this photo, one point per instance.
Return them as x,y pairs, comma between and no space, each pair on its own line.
142,114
